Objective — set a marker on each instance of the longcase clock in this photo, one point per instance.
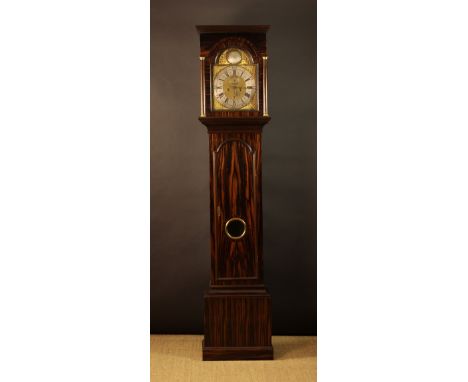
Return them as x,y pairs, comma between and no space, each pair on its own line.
234,108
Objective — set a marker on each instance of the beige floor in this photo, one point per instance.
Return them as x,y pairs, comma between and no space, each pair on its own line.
177,358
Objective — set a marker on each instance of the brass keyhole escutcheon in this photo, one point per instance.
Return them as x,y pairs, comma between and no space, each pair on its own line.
235,228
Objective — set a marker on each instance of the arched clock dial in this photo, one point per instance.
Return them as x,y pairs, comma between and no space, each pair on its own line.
234,87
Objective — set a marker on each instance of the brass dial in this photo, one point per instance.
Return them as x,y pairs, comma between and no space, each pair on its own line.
234,87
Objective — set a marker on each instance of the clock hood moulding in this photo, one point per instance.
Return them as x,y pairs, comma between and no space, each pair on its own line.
232,28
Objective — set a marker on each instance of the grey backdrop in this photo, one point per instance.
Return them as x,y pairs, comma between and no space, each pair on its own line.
180,172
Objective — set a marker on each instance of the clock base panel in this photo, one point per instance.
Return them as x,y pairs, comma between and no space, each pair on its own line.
237,325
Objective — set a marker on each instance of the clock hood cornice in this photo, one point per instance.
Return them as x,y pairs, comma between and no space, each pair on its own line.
232,28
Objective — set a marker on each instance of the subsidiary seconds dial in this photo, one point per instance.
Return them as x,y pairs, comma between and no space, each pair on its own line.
234,87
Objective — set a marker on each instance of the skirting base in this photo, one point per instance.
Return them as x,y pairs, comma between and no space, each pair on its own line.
237,353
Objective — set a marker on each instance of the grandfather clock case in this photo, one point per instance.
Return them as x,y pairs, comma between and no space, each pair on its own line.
234,109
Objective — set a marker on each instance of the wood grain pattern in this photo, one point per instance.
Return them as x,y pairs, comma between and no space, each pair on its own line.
236,171
235,191
237,326
241,320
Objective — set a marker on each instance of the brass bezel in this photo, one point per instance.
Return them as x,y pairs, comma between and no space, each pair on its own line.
235,237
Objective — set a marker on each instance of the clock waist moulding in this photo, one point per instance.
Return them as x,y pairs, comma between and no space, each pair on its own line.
234,108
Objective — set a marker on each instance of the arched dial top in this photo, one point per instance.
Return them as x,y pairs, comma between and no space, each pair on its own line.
234,87
234,80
